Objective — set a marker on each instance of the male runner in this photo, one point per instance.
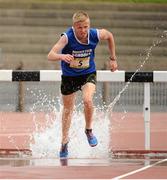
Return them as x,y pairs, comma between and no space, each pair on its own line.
76,51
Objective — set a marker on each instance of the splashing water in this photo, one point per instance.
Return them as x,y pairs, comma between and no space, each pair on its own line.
47,143
143,62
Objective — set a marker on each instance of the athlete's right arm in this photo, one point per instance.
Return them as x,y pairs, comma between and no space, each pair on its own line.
55,52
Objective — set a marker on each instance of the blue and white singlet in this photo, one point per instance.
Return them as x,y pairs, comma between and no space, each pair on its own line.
83,53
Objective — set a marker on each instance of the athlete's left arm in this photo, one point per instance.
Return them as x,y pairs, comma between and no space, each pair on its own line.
106,35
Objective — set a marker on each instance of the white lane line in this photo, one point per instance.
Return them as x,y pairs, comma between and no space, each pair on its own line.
139,170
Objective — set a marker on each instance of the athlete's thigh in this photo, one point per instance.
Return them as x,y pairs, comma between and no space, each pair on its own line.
69,100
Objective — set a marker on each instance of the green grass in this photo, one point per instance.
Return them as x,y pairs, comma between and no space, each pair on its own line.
135,1
102,1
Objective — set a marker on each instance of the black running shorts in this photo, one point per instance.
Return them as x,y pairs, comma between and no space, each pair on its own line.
71,84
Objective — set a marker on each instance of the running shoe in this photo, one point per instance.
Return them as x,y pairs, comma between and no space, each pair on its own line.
92,140
64,151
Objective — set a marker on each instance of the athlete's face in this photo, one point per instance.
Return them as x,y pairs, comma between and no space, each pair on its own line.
81,28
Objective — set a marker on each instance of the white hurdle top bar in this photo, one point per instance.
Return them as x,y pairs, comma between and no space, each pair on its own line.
102,76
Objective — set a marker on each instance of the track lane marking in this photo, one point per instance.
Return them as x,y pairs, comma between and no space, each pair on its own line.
139,170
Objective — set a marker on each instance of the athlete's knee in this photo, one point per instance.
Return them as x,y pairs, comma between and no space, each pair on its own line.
68,110
88,102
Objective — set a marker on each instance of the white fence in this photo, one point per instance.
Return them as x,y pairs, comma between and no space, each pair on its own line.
55,75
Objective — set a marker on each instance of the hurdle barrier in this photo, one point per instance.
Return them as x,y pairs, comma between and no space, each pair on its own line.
102,76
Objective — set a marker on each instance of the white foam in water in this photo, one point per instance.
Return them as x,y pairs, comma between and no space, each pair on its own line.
47,143
79,146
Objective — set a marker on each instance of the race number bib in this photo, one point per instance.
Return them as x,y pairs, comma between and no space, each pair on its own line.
80,63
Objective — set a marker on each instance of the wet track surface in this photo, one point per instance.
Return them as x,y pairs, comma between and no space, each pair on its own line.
142,167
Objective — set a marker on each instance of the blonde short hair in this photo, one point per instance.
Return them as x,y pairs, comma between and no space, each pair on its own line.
80,16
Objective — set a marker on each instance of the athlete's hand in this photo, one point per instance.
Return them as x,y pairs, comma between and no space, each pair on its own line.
67,58
113,65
